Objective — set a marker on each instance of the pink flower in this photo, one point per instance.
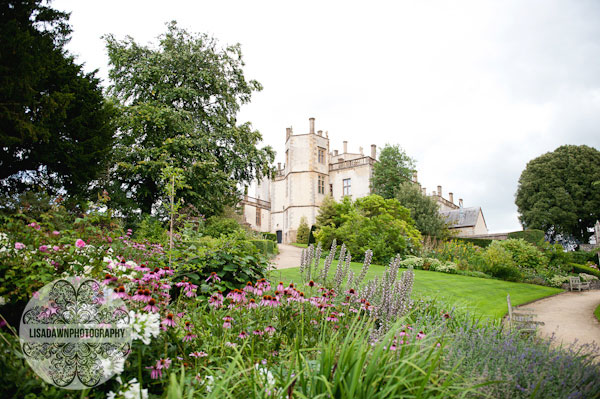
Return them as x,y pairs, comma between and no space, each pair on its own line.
43,248
243,335
189,337
55,232
56,248
80,243
168,321
270,329
257,332
213,276
155,372
19,245
198,354
163,363
151,307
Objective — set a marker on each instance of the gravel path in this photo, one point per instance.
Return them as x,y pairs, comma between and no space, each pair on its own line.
289,256
570,316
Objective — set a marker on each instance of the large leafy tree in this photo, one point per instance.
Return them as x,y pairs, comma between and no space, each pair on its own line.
423,209
557,194
178,106
394,168
372,222
55,130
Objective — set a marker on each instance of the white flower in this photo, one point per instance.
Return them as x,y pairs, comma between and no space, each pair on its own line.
131,390
2,301
113,366
111,395
144,326
209,380
265,374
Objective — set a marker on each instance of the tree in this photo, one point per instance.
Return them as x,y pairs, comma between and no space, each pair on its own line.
372,222
55,129
303,231
423,209
556,193
393,169
178,107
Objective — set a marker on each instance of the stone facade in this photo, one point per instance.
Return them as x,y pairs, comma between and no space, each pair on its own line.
311,171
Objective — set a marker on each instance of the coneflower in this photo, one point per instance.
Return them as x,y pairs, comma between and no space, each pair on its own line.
169,320
151,307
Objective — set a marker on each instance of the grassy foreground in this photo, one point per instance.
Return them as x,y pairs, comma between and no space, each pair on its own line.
484,297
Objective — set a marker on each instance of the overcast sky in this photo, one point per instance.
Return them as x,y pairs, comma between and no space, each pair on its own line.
472,90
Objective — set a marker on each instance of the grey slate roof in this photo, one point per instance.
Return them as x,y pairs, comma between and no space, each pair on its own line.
462,217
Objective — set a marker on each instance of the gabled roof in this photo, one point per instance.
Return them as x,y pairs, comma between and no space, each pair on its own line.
463,217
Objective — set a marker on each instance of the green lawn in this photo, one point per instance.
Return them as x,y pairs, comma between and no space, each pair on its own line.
484,297
297,244
597,312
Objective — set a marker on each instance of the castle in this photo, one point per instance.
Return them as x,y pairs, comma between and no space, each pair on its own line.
311,171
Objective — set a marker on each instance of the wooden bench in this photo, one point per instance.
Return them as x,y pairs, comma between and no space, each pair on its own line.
522,319
575,283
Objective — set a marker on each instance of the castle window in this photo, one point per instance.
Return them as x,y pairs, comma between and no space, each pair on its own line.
321,152
321,185
346,186
258,216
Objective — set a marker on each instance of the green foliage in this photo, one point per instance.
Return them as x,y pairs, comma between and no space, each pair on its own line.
372,222
597,312
270,236
582,257
56,125
151,229
303,231
311,236
524,255
423,209
267,247
465,255
428,264
499,263
556,193
178,105
480,242
532,236
217,226
393,169
576,268
235,259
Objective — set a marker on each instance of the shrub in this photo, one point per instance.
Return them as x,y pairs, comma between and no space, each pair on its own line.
499,263
587,277
480,242
267,247
558,280
217,226
303,231
151,229
383,226
575,268
532,236
465,255
233,258
270,236
582,257
524,255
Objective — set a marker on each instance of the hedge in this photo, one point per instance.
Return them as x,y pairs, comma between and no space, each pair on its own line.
584,269
582,257
265,246
480,242
270,236
532,236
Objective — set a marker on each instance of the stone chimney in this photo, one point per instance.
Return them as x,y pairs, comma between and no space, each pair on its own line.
320,132
360,149
312,125
460,203
335,153
278,165
345,147
288,132
415,177
439,192
451,197
424,191
373,151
